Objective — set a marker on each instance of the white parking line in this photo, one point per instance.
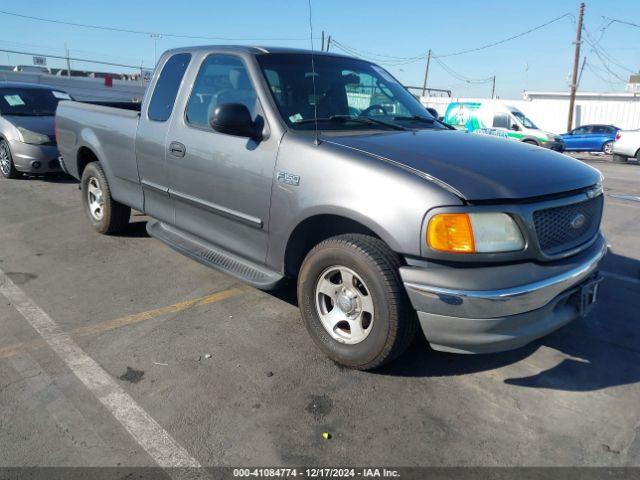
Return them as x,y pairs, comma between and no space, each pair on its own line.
623,278
164,450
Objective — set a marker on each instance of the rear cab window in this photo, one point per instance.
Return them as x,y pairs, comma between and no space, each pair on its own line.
167,86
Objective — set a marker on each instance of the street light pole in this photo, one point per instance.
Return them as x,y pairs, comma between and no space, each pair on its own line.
155,37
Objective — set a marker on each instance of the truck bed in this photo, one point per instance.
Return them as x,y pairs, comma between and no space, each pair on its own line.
108,130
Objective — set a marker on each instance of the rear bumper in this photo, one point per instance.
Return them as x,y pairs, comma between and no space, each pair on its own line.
456,315
624,149
29,158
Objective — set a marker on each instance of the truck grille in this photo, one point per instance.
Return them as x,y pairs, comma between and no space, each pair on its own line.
562,228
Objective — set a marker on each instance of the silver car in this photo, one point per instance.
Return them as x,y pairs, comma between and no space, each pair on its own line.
27,137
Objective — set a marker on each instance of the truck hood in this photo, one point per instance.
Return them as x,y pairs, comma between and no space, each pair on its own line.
39,124
477,167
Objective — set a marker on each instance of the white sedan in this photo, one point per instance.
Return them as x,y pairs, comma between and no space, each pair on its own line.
627,145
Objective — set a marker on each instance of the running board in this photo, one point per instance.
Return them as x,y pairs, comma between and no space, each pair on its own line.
212,256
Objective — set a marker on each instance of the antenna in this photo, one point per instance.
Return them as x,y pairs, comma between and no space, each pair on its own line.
313,78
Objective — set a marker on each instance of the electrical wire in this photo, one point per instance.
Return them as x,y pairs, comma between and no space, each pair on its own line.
500,42
399,60
461,77
147,33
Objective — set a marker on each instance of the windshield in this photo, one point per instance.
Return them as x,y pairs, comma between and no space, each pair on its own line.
30,101
350,94
523,119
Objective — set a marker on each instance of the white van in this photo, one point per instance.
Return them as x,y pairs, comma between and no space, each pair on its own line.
493,118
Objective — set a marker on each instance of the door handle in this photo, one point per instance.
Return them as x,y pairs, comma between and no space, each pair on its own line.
177,149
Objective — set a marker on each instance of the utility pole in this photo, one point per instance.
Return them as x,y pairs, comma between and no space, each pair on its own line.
574,77
328,43
322,48
66,49
493,88
426,74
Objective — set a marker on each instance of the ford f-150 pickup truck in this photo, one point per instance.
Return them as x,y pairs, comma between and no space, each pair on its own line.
273,164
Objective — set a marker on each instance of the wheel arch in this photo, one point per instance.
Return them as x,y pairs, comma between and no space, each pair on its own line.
315,229
84,157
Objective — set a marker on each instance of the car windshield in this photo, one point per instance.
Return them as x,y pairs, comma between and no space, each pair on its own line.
350,94
523,119
30,101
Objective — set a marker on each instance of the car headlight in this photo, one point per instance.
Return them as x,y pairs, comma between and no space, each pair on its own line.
33,138
484,232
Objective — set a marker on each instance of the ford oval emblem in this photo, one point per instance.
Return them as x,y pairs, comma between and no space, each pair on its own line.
578,221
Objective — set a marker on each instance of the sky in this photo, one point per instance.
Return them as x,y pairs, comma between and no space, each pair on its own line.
395,33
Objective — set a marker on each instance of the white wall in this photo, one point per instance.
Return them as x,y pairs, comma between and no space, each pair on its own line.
550,112
82,88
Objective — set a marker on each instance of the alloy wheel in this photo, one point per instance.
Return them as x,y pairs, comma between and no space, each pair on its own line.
344,305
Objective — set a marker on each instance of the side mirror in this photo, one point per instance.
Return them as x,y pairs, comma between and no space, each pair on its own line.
233,119
515,127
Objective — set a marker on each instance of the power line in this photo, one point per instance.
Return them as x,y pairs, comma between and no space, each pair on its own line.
598,49
355,53
373,54
142,32
460,76
399,60
623,22
505,40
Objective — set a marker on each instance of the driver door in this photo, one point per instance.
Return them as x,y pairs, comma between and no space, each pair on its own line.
221,184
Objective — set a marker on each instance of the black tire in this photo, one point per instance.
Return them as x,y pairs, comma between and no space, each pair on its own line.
531,142
619,158
607,148
11,171
114,215
395,322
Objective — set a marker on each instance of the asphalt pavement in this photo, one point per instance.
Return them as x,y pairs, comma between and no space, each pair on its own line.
114,326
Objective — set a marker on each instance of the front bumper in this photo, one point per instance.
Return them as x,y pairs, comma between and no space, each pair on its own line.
29,158
457,316
555,146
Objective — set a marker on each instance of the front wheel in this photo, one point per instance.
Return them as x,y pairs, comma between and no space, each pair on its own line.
106,215
7,168
353,302
607,148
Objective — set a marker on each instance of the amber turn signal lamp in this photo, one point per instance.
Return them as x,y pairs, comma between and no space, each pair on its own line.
451,232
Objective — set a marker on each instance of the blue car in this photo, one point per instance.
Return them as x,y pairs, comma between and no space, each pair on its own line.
591,138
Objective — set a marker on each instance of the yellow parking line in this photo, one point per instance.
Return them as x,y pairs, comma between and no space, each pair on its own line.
105,326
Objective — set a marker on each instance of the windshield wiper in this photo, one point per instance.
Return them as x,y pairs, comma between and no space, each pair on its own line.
348,118
416,118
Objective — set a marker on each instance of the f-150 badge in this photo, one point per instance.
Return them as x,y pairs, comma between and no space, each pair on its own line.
288,178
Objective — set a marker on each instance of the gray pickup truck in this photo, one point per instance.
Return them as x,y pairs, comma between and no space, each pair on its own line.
273,164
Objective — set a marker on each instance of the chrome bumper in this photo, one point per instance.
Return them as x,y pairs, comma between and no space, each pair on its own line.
501,317
475,303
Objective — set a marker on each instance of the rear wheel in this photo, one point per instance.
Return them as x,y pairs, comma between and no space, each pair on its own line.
7,168
353,302
607,148
106,215
619,158
530,142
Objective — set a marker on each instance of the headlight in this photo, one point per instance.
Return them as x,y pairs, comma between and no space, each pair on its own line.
33,138
474,233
